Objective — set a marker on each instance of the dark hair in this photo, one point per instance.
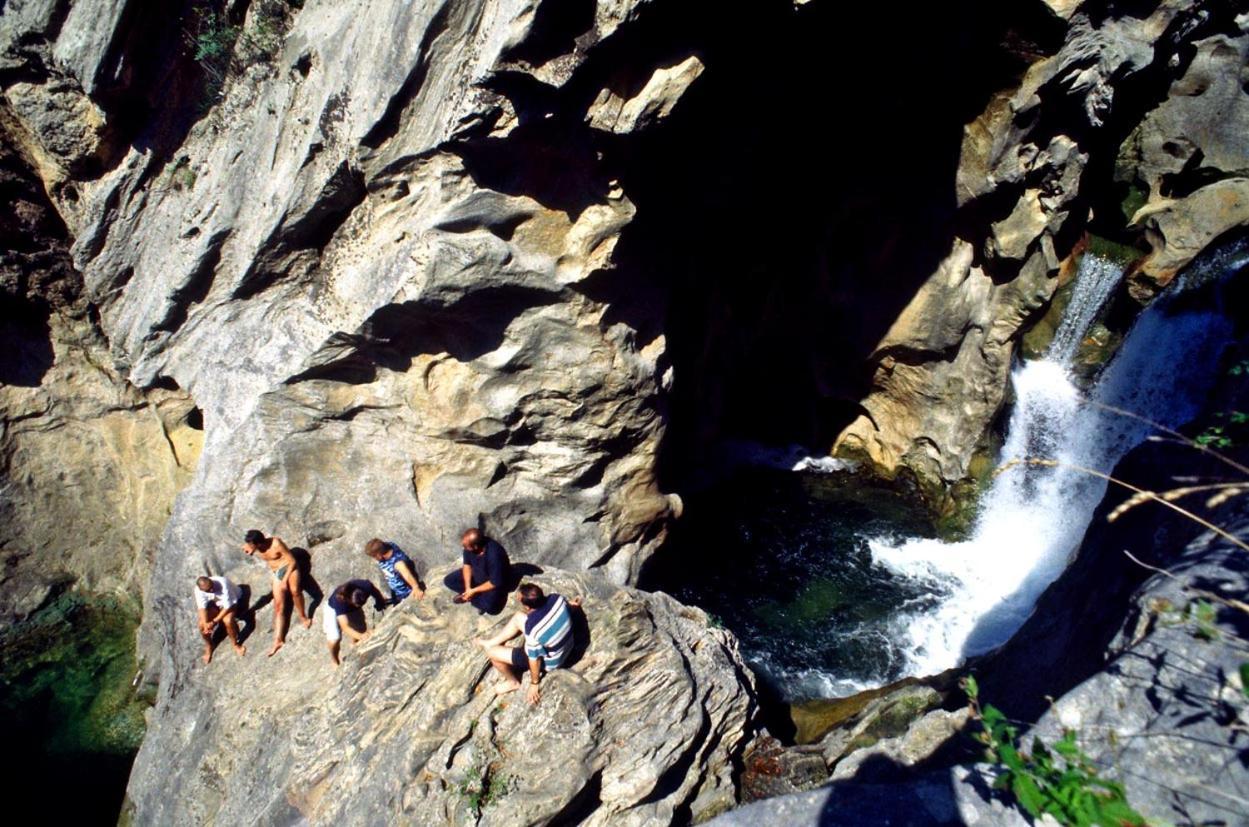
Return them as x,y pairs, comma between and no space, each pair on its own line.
357,597
353,596
201,581
254,536
374,548
474,538
531,595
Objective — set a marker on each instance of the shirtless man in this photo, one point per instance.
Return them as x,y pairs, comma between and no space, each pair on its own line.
286,578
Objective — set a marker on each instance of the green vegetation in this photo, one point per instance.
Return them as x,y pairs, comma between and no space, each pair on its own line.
221,48
483,787
1061,783
1136,197
1233,426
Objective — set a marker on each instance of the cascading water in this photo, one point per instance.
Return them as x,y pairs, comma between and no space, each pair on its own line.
1033,517
810,567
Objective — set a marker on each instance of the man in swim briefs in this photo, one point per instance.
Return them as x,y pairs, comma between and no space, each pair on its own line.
286,579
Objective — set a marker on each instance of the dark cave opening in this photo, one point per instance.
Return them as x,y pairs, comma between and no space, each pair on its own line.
800,193
792,205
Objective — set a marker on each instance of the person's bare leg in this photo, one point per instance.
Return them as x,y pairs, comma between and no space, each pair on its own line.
279,618
501,660
232,631
297,595
334,646
208,636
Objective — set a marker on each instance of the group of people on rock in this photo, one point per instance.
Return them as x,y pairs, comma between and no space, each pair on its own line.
543,620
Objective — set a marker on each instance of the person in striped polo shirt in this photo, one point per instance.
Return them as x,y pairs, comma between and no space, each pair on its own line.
546,624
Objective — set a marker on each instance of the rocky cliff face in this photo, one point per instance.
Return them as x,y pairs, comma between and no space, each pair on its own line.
644,728
359,238
1163,93
338,270
90,463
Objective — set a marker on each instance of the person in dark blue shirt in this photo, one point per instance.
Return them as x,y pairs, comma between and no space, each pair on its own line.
343,615
482,579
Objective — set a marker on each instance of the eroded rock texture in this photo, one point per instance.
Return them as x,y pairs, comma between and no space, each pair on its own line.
89,465
1168,710
644,728
1164,91
359,242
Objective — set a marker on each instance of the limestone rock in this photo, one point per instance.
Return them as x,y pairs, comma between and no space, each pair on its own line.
652,103
1168,705
92,469
90,465
941,370
1199,129
1063,8
920,741
956,797
1190,155
644,726
953,341
58,126
1180,229
360,267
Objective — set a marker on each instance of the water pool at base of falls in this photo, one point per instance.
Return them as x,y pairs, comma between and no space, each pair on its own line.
782,559
833,587
68,714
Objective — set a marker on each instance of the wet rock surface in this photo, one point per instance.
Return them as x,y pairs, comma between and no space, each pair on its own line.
644,728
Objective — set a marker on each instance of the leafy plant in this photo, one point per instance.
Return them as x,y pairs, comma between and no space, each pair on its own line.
212,40
483,787
1061,783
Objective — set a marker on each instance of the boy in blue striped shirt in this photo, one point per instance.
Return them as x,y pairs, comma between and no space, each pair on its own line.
396,568
546,624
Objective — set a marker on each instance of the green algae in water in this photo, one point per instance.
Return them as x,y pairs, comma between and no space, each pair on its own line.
66,697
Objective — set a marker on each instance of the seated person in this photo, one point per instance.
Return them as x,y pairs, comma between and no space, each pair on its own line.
482,579
545,622
397,568
217,601
343,613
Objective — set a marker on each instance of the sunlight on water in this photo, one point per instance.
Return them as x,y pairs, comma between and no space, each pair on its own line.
1032,518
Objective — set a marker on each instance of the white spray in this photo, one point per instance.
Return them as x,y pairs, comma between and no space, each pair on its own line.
1033,518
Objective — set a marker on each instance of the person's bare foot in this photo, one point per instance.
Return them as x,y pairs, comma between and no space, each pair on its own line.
277,644
240,648
208,655
307,621
506,687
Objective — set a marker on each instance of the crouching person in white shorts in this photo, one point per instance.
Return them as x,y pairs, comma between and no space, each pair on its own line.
343,613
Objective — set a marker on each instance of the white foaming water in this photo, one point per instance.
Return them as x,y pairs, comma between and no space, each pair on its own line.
745,454
1033,518
1095,281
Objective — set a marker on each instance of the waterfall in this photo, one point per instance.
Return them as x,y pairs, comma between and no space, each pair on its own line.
1033,518
1095,280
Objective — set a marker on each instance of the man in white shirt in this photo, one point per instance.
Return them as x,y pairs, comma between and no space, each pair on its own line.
217,600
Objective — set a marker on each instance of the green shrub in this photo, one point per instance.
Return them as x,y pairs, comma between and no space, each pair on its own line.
481,788
1062,783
